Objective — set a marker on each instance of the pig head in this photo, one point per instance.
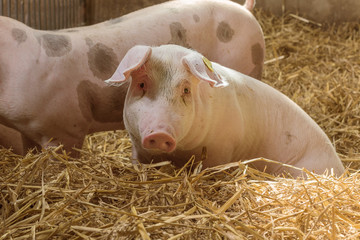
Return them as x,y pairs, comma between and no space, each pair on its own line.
162,110
180,104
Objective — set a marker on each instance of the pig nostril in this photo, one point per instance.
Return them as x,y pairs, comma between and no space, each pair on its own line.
159,141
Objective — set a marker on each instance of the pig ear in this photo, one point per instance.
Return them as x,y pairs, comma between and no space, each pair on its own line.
132,60
202,69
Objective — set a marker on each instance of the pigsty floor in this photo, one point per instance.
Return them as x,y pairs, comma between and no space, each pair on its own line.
103,196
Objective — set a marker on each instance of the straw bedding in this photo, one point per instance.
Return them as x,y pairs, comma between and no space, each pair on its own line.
102,195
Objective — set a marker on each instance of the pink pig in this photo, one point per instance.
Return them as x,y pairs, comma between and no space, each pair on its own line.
52,86
179,104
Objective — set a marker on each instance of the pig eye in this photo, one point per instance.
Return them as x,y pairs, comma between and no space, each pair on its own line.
142,85
186,90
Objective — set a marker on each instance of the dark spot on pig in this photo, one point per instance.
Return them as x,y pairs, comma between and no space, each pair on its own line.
257,56
102,103
178,34
55,45
102,61
224,32
19,35
196,18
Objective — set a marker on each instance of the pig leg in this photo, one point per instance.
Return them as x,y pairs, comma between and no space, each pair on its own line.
29,145
11,139
69,148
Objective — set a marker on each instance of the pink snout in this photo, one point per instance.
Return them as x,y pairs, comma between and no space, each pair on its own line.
159,141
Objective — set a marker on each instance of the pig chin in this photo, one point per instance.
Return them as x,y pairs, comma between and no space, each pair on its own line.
155,152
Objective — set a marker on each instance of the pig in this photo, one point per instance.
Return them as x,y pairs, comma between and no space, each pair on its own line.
179,104
52,86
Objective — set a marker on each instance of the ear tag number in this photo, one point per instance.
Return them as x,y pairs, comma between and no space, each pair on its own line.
208,64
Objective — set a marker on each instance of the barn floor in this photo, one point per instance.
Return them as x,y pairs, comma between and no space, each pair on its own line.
103,196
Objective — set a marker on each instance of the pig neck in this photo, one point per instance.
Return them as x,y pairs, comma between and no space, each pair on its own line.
107,103
232,127
218,122
236,124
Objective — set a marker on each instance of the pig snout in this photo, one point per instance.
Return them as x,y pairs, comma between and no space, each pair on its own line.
159,141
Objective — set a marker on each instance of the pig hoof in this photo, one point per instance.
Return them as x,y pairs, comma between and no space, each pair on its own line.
159,141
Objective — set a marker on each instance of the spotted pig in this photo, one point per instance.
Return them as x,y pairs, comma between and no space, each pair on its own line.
52,86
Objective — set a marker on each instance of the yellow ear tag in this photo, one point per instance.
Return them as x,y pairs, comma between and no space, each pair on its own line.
208,64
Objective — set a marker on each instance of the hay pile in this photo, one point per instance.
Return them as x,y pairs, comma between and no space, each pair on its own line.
103,196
